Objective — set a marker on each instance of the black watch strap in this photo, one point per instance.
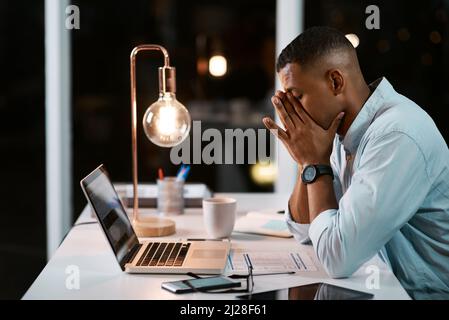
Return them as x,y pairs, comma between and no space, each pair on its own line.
324,170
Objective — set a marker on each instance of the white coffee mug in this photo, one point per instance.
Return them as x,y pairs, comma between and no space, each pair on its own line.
219,216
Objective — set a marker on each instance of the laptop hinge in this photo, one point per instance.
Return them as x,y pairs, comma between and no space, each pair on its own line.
131,255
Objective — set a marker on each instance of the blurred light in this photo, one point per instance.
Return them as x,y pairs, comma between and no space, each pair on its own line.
403,34
435,37
337,17
355,41
263,173
383,46
218,66
202,66
426,59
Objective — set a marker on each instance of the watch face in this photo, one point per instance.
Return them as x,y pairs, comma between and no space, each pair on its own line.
309,173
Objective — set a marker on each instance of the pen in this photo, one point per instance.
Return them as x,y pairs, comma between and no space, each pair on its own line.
161,174
182,174
274,273
237,276
178,174
185,173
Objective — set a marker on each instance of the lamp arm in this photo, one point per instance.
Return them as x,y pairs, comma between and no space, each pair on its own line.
151,47
136,50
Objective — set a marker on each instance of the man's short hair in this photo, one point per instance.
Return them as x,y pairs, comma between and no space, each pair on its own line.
311,45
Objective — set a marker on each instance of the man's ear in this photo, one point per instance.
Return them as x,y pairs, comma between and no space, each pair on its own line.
336,81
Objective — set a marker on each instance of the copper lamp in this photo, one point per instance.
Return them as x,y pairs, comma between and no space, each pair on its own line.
166,123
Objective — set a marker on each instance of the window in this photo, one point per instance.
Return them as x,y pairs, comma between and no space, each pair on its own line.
199,35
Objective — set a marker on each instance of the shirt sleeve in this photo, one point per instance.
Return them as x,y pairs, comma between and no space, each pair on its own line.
299,230
386,190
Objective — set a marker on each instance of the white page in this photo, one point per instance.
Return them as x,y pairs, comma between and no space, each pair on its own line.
269,261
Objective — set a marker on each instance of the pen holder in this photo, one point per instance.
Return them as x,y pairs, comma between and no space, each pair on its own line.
170,196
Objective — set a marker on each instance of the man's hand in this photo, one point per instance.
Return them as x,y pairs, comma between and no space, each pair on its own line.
304,139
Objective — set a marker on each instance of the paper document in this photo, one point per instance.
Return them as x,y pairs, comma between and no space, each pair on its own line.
269,261
263,223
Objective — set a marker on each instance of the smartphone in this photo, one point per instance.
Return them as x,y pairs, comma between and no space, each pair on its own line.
314,291
209,283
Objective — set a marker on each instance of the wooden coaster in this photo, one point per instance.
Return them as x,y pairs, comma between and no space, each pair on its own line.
154,227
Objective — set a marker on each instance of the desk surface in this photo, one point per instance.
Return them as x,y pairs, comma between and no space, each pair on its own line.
101,277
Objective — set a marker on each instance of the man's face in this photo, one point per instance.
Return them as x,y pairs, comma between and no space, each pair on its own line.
313,90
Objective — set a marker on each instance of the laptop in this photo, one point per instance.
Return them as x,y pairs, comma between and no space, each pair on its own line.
156,256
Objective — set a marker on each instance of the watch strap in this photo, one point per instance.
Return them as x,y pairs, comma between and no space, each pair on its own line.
323,169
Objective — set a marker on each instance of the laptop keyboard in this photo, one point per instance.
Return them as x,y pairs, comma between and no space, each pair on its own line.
158,254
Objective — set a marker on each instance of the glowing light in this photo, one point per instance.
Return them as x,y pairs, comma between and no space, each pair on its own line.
354,39
403,34
263,173
383,46
435,37
218,66
202,66
166,122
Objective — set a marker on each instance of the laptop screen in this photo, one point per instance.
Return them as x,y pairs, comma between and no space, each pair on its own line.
110,212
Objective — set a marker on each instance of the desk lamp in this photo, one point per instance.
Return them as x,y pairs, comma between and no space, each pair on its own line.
166,123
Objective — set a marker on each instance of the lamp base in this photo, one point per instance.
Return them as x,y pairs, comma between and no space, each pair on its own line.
154,227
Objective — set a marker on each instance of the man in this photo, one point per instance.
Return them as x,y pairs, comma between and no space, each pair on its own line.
382,181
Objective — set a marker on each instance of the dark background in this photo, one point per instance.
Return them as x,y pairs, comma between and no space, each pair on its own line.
410,49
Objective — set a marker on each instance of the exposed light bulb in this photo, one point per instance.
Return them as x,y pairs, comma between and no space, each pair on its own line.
218,66
354,39
166,122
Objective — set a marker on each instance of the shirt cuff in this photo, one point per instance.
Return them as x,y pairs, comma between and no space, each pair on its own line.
300,231
320,224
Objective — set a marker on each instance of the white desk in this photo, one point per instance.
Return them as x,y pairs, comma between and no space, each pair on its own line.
101,277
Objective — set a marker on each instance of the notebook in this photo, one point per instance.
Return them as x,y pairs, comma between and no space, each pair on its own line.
270,224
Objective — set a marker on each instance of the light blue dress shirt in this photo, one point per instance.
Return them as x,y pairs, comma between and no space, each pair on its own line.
392,187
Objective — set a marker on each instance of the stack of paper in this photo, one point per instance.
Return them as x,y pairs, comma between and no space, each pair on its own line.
263,223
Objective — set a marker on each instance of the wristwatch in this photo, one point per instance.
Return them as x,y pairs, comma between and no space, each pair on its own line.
313,171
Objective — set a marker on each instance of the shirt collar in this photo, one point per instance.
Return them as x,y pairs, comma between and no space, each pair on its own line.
366,115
